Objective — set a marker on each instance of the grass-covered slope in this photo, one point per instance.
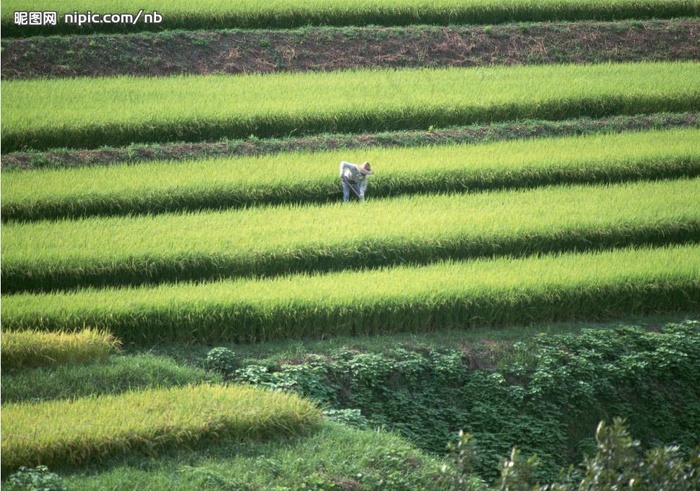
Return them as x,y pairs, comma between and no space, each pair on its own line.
335,457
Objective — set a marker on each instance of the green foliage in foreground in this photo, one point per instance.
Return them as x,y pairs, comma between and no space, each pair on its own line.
449,295
218,14
333,461
270,241
28,349
34,479
617,464
162,186
88,113
546,398
116,375
334,458
75,432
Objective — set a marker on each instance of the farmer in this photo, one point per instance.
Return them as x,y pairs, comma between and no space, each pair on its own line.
354,178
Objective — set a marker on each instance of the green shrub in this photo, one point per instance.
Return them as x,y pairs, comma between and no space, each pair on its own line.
546,397
348,417
34,479
222,360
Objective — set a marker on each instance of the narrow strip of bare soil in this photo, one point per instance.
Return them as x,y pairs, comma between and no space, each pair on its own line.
323,49
250,147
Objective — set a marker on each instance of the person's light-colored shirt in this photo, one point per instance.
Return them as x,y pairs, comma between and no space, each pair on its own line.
352,174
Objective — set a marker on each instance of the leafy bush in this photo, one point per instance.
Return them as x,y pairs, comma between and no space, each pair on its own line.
547,397
34,479
349,417
222,360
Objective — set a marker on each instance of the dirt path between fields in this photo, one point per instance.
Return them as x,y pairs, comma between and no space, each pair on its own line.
323,49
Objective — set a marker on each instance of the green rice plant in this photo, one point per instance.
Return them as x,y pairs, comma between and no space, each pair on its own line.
72,432
485,292
410,229
246,147
312,177
116,375
88,113
211,14
29,349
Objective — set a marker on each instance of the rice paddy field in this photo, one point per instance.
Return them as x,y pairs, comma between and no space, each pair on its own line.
42,113
285,14
107,250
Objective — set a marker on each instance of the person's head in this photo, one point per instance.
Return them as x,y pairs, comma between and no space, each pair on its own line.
365,169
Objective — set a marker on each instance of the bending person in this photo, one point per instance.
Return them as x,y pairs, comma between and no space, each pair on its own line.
354,178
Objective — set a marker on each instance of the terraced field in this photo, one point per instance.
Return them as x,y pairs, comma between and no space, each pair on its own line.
201,206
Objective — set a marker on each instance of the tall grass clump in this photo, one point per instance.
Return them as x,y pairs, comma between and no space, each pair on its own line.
270,241
31,348
73,432
88,113
164,186
218,14
494,292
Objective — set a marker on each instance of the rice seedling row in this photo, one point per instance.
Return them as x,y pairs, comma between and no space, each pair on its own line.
159,187
255,147
483,292
30,349
278,240
150,15
85,430
88,113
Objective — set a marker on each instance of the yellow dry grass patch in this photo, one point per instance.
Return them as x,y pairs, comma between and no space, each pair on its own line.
31,348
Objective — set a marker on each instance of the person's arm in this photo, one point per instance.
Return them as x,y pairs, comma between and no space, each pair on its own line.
345,166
